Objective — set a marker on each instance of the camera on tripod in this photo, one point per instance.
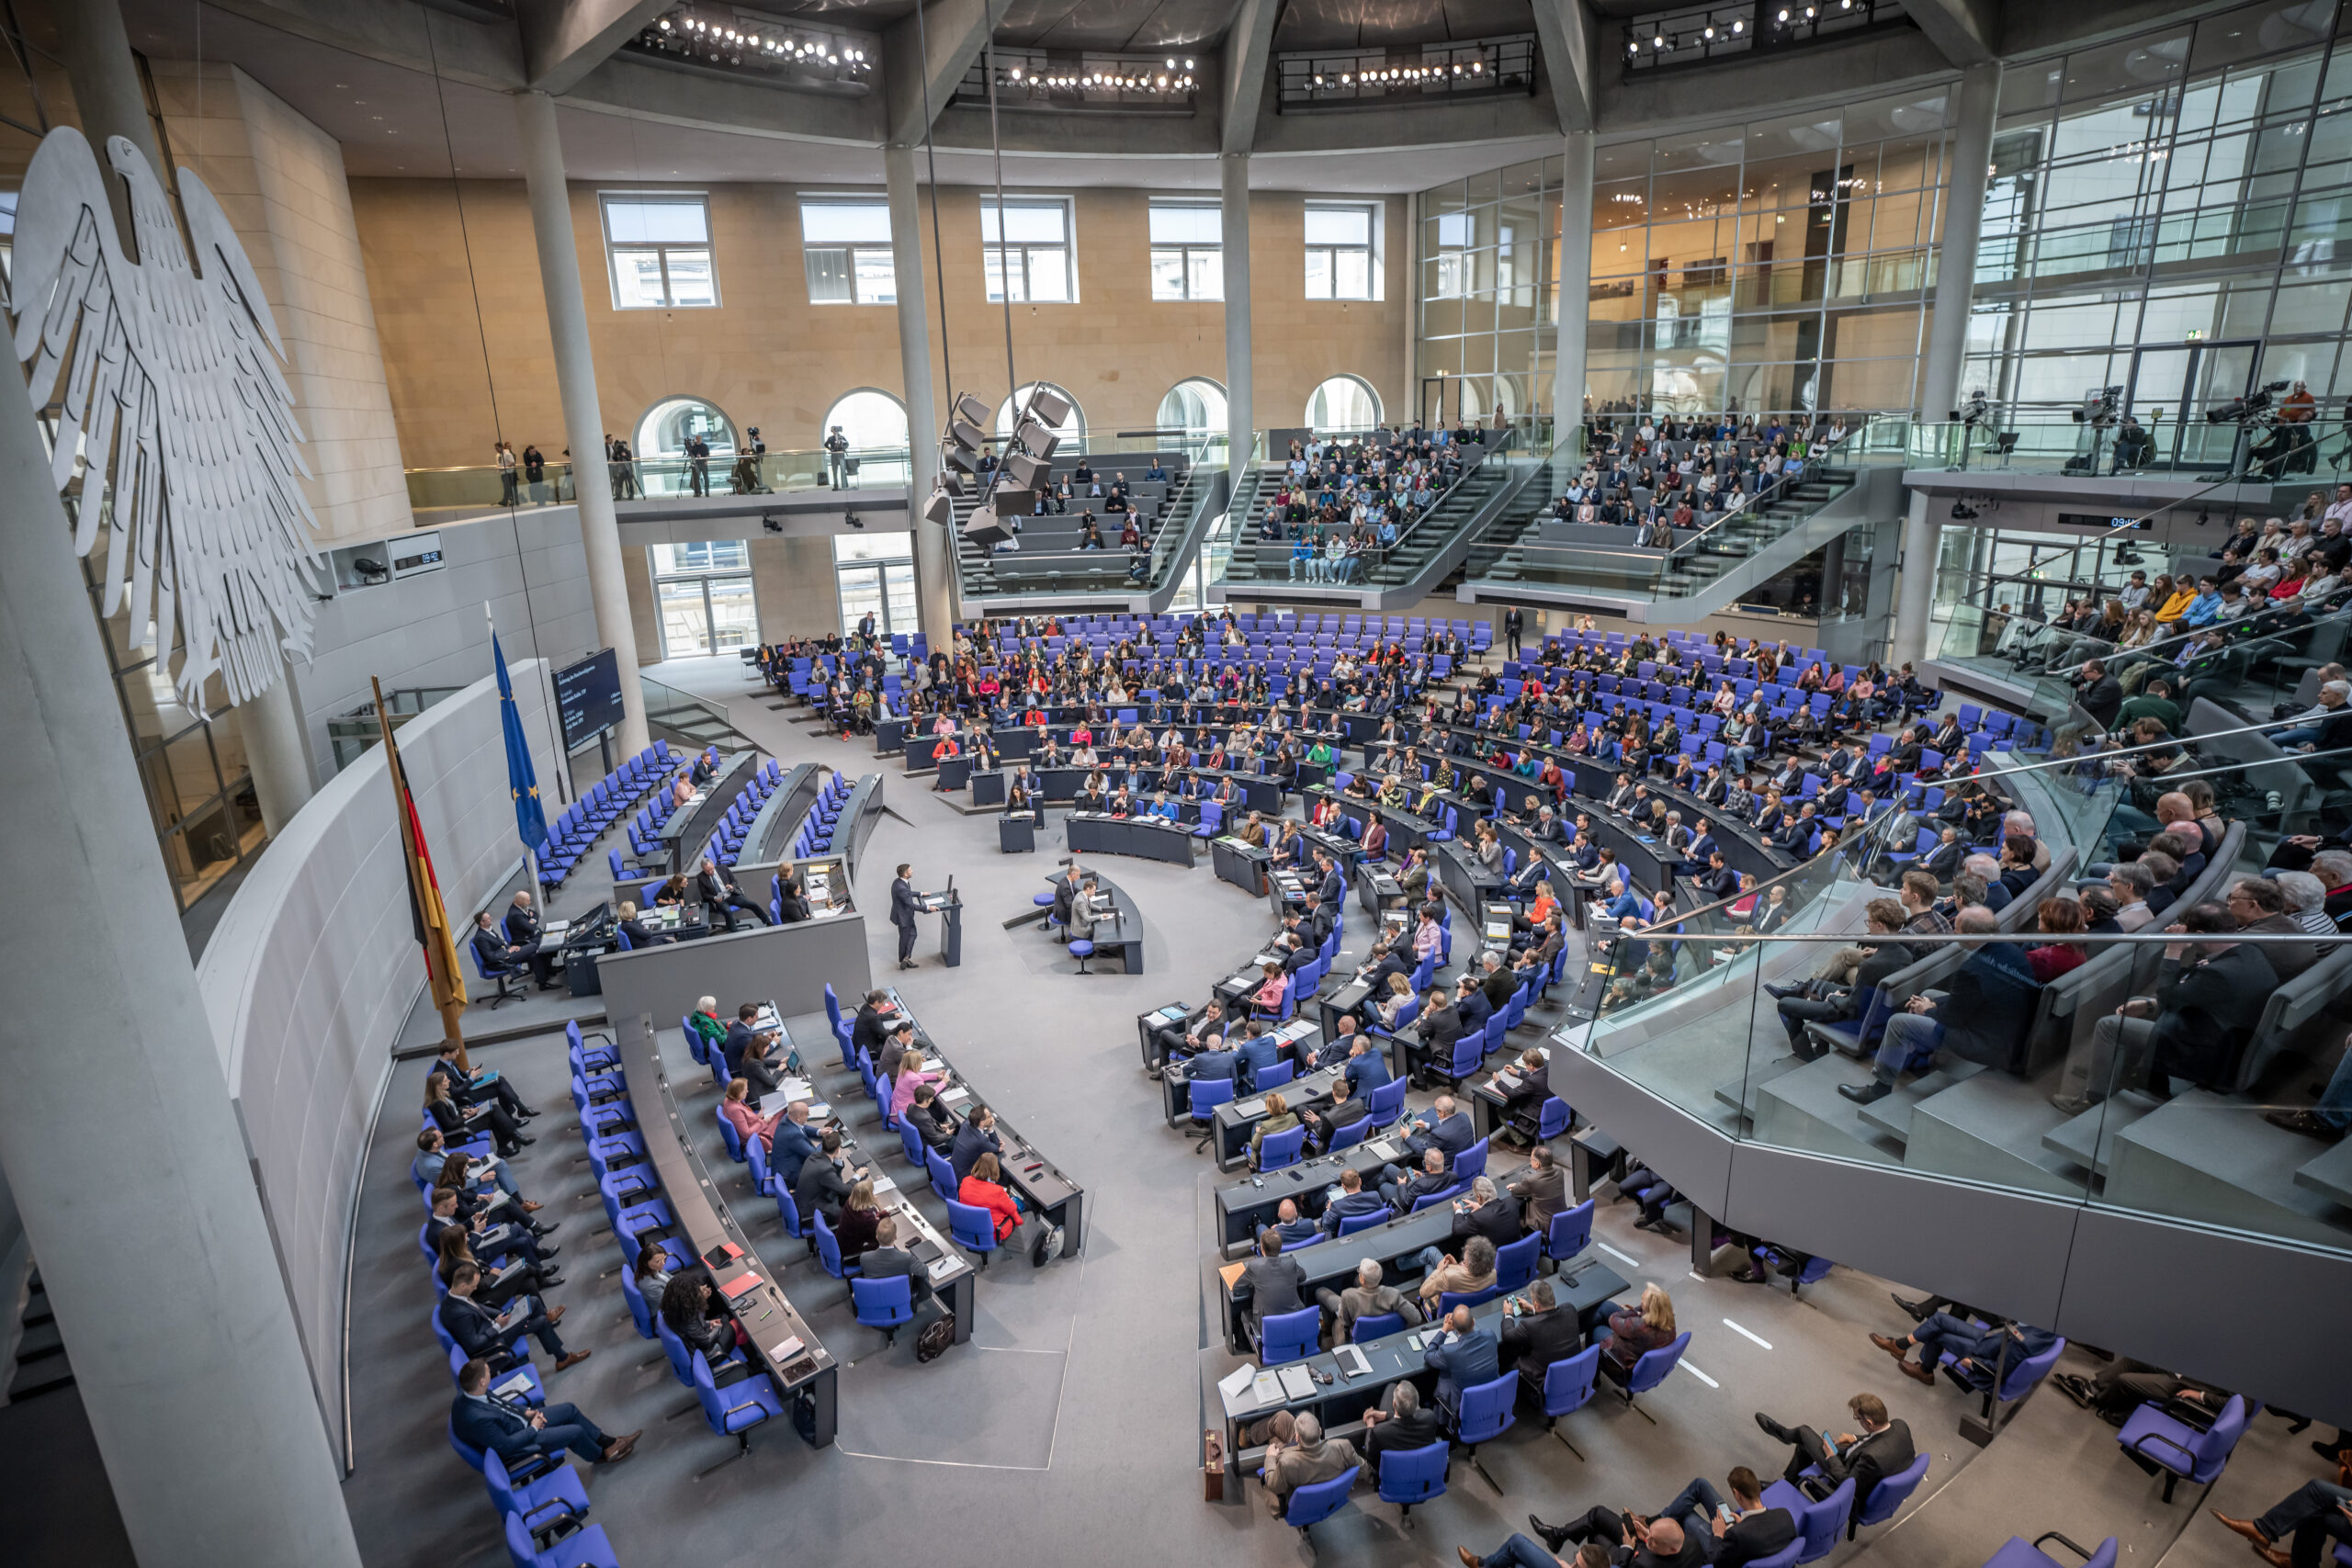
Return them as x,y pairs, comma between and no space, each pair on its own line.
2253,406
2098,407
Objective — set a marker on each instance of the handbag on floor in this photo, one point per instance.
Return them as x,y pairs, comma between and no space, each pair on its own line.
935,1337
1048,1247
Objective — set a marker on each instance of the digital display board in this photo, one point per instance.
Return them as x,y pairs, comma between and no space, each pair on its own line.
588,694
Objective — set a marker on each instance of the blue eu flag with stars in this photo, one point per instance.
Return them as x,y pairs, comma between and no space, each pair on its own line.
530,821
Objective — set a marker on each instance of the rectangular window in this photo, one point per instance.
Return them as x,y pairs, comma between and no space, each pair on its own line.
1455,232
1339,251
1187,251
1031,258
658,246
846,244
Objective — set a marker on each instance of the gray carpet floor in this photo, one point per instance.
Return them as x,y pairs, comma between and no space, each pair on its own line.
1067,1430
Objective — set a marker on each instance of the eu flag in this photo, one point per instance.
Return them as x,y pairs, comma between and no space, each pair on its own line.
530,821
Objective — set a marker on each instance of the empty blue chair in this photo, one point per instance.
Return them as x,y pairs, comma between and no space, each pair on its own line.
886,1304
1279,1149
1515,1264
1290,1335
1485,1413
728,1136
2019,1553
1470,1163
1569,1233
2179,1449
734,1411
910,1144
1819,1525
1273,1076
1553,1118
790,1213
1568,1387
1354,1132
941,1174
1313,1503
1206,1095
973,1228
1374,1326
641,1312
1414,1475
589,1549
1351,1224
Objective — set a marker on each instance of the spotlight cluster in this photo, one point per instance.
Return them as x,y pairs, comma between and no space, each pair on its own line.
1040,75
1403,75
1715,28
727,39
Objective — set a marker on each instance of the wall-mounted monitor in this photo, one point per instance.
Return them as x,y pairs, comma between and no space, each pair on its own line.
588,694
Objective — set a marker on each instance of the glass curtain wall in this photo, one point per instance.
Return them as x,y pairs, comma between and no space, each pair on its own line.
2171,216
1765,267
704,591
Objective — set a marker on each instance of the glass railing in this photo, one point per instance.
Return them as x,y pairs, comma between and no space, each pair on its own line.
1271,560
2045,442
988,571
432,489
2036,1087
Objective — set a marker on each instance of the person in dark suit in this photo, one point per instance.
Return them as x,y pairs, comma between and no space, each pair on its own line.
825,1180
1975,1351
1277,1284
1443,1126
1728,1535
975,1138
638,934
1399,1424
1534,1075
791,898
903,915
793,1142
1352,1202
1537,1331
497,954
1488,1212
1214,1060
522,920
1432,1176
1260,1051
1881,1448
468,1089
872,1025
1514,626
1332,888
720,898
1471,1006
886,1259
517,1437
1462,1357
1367,1066
491,1337
1541,1188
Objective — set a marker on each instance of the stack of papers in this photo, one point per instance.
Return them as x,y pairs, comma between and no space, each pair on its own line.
1266,1388
1385,1149
1297,1381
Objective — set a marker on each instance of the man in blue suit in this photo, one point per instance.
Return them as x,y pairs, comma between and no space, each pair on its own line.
1471,1006
793,1142
516,1436
1976,1351
1367,1064
1352,1202
976,1137
1443,1126
1259,1052
1216,1062
1462,1357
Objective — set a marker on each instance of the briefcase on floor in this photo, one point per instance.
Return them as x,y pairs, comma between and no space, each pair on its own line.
1212,1467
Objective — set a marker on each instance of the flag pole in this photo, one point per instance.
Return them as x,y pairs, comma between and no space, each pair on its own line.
413,860
530,854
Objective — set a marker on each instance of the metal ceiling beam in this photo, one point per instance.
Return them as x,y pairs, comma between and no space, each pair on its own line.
565,39
1564,30
1248,51
1968,32
956,31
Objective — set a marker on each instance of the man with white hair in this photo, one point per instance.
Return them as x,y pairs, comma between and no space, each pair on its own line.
1980,1016
2308,729
1368,1297
1987,870
1304,1458
2020,824
2306,901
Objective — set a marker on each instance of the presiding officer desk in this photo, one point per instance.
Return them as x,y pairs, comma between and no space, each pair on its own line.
1042,1184
1117,924
781,1340
1584,1285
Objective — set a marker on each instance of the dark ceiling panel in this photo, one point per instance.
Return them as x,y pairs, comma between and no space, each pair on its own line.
1117,26
1377,24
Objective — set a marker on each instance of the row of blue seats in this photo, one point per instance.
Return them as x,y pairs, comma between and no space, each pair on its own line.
727,840
574,833
644,830
734,1398
816,834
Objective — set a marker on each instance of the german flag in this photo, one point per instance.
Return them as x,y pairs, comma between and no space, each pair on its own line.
428,916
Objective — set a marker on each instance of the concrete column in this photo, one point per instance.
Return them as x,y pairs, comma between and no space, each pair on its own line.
575,374
1575,294
1240,418
1914,593
938,585
110,102
159,1260
1971,157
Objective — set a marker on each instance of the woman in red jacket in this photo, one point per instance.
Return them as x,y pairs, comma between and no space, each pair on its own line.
983,1189
2058,917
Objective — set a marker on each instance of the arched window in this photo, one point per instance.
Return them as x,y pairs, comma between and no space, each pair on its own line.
663,432
1197,407
1072,431
869,419
1344,403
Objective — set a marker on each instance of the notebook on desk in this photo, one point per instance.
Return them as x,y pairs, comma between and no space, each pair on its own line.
1507,1082
1385,1149
741,1285
1250,1108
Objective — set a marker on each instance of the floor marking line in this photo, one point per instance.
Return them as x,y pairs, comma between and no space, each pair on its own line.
1747,1335
1695,1373
1629,1262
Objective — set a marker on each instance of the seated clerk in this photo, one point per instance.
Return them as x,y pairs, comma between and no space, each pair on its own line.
635,929
792,899
1430,1177
887,1260
496,953
984,1188
492,1337
455,1123
526,1276
748,1059
825,1180
1538,1331
518,1437
975,1138
934,1123
1534,1075
736,1106
1352,1202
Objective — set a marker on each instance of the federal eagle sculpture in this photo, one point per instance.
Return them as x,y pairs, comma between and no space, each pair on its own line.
163,378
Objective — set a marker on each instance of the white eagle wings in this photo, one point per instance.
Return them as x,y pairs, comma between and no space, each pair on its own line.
164,380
